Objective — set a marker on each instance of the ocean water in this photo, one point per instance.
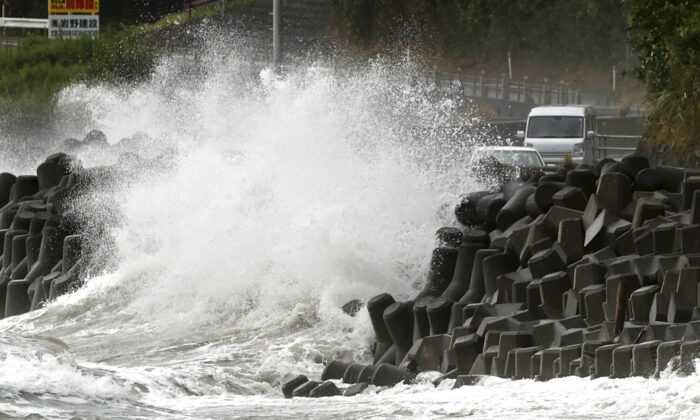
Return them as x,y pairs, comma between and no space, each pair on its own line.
281,197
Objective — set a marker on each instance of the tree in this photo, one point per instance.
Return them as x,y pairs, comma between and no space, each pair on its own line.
666,35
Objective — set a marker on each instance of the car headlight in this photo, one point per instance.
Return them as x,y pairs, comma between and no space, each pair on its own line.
578,149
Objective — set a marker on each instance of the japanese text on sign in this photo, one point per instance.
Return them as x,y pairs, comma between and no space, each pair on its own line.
74,26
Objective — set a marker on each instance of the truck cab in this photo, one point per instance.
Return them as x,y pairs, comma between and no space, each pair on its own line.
558,132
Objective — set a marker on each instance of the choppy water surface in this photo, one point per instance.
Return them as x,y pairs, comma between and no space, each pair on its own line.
282,198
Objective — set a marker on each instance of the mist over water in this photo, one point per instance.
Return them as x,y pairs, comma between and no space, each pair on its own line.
276,199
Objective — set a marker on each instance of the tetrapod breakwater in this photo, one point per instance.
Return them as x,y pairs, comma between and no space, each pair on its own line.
47,245
572,271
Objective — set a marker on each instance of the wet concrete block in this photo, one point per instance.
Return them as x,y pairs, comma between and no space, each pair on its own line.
666,353
533,301
630,282
548,261
494,266
659,308
593,299
664,237
518,362
421,324
571,236
465,211
570,197
352,373
439,311
670,282
570,303
582,178
552,287
427,353
593,237
689,238
476,291
514,208
644,359
366,374
535,362
326,389
692,331
465,350
518,281
509,340
614,191
481,366
304,389
634,164
487,208
443,267
568,354
615,227
544,192
643,241
676,332
389,375
640,302
631,333
555,215
289,386
679,309
647,180
467,380
690,350
622,361
549,361
572,336
497,323
376,307
398,318
548,333
589,274
688,284
695,210
604,360
334,370
647,269
690,185
647,209
355,389
671,263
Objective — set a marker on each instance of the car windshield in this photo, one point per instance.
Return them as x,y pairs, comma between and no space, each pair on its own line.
511,157
555,127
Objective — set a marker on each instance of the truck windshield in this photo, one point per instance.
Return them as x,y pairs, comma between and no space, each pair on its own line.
555,127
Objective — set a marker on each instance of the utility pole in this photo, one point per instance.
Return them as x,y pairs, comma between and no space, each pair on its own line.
223,8
276,32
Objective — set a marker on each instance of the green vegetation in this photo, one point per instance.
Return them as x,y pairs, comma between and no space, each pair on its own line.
32,73
481,29
666,35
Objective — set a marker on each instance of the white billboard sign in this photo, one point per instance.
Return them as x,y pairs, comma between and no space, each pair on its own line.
74,26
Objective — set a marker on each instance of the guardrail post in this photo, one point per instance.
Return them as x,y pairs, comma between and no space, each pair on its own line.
505,87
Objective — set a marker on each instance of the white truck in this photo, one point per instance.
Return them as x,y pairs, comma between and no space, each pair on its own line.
558,132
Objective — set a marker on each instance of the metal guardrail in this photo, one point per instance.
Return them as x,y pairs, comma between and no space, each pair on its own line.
509,90
609,146
24,23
